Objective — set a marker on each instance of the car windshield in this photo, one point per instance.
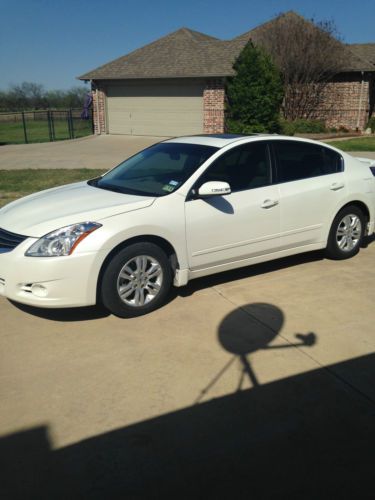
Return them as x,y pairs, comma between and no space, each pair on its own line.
156,171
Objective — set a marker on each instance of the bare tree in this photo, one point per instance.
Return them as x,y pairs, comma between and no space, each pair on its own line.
309,54
33,96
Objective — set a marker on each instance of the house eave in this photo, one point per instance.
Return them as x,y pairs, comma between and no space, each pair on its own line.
153,77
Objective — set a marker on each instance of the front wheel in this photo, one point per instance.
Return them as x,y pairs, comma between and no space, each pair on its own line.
346,234
136,281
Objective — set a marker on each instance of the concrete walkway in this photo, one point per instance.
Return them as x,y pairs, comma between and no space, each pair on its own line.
105,151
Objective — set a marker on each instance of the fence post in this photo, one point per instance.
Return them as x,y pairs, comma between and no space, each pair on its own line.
52,127
71,122
68,124
24,127
49,125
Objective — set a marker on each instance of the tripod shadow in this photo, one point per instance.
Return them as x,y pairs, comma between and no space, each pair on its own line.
263,323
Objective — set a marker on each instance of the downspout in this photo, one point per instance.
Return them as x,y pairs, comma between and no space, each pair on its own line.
97,108
360,101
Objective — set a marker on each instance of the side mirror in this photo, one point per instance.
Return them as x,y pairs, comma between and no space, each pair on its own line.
214,188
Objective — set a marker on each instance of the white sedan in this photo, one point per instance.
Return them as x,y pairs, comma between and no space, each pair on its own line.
181,209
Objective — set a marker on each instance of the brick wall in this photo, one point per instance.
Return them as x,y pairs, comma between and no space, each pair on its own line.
98,106
346,102
213,107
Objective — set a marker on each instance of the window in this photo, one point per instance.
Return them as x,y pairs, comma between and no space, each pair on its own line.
156,171
244,167
301,160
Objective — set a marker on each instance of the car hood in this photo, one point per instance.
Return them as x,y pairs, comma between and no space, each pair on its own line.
40,213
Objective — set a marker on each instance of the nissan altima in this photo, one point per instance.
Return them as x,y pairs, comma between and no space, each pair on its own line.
183,208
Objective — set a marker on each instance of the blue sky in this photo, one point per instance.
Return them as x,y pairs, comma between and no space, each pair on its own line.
53,41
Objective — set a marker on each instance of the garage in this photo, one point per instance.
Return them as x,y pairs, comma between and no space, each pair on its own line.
163,109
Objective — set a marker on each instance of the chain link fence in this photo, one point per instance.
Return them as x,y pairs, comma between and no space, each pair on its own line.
26,127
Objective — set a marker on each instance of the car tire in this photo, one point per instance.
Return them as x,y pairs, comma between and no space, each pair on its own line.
136,280
346,234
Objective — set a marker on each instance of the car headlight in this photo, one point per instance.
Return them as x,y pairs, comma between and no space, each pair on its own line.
62,241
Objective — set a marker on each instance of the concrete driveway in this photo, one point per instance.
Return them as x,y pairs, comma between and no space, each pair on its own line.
105,151
258,382
254,383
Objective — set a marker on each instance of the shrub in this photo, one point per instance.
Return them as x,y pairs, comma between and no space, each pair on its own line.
303,126
254,94
371,124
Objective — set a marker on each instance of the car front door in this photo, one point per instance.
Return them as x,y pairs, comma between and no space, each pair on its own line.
243,224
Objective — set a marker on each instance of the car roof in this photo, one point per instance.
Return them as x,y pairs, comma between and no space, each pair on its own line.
216,140
222,140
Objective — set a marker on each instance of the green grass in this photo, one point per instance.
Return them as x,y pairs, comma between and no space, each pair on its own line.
37,131
358,144
17,183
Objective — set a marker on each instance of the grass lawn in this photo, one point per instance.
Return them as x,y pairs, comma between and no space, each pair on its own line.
37,131
357,144
17,183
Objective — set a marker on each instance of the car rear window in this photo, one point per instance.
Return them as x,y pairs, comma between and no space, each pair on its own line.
302,160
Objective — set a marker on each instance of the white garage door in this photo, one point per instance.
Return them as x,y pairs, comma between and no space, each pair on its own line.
155,109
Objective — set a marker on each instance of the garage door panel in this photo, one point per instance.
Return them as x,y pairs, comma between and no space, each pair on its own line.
160,110
150,90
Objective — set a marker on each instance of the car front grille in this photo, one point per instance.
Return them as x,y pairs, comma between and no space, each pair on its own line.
9,241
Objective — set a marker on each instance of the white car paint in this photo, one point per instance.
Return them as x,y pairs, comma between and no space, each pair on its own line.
207,235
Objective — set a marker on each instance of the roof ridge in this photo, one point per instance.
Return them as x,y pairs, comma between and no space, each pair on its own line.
193,33
289,13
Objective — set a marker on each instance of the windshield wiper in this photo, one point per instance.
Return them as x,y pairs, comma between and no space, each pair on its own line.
118,189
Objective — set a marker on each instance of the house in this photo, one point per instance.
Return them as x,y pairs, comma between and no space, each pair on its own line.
176,86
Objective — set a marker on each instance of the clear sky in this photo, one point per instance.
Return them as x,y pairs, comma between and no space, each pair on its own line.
53,41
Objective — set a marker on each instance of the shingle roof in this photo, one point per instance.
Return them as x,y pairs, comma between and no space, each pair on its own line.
355,60
183,53
365,51
187,53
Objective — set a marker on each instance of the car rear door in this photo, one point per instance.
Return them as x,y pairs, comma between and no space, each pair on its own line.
311,183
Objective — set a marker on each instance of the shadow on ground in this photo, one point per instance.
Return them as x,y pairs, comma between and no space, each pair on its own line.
310,436
96,312
64,315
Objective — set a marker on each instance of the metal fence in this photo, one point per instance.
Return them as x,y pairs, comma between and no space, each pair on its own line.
43,126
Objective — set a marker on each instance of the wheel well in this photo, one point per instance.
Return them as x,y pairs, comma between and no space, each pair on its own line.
157,240
361,206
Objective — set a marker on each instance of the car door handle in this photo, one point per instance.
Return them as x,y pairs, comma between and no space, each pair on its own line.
336,186
269,203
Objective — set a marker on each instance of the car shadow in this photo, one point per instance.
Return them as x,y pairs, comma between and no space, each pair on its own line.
96,312
248,272
66,314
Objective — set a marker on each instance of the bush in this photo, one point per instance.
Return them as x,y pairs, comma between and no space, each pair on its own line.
254,94
371,124
303,126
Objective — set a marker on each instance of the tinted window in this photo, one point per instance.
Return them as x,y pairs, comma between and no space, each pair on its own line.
156,171
300,160
244,167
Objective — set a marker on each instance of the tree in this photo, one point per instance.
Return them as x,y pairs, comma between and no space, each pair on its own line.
255,93
27,95
33,96
308,54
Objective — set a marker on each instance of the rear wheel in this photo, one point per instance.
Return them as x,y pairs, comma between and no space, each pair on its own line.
346,234
136,281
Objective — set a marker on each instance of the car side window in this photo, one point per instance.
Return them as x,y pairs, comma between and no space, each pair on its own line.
301,160
244,167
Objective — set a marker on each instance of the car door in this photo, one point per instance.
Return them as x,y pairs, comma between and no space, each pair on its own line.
311,183
243,224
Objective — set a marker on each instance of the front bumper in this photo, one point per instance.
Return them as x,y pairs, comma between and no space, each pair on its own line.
49,281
